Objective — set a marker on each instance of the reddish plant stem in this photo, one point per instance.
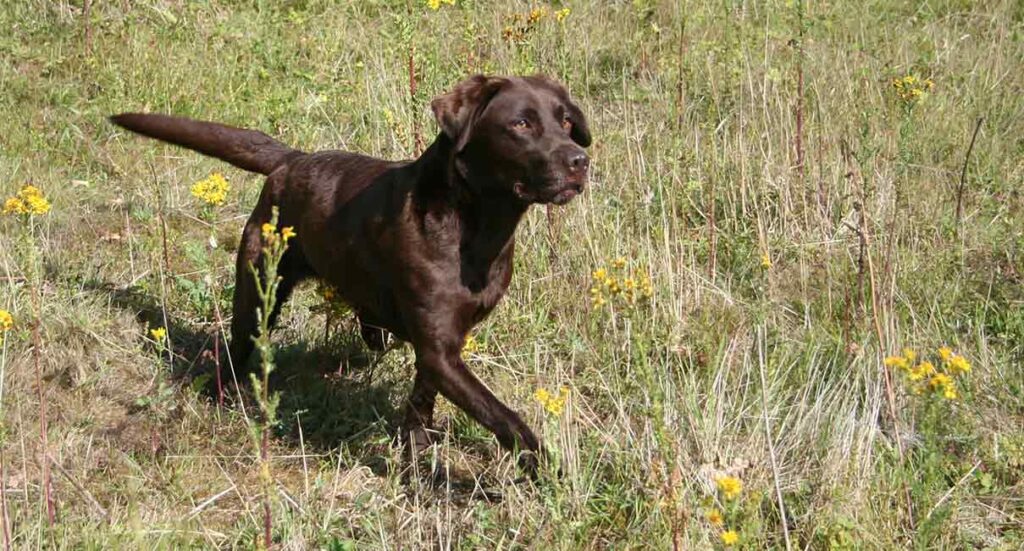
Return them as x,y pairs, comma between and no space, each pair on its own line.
264,454
3,504
799,138
963,174
37,341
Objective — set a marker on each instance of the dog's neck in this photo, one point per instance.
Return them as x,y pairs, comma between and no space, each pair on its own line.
487,218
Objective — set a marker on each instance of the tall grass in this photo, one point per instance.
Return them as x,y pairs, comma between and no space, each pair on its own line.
795,236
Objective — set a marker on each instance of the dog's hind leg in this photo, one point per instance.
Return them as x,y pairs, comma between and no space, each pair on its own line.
246,300
292,269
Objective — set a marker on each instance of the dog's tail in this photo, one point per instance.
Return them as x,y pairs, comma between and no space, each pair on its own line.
247,149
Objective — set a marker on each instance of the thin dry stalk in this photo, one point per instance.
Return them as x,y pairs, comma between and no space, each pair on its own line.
798,139
37,345
4,518
963,175
217,340
712,231
165,268
680,58
265,458
768,435
417,134
305,464
82,491
886,374
87,20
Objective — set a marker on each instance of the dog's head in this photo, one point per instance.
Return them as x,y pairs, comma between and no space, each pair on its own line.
523,135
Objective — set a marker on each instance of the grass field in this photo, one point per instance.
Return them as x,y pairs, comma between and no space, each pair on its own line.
792,177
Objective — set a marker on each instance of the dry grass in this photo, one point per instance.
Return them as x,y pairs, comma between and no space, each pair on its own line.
771,373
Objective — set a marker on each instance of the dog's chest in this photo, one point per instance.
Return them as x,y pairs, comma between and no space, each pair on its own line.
484,285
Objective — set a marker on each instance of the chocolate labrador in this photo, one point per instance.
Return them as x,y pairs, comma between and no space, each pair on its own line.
420,249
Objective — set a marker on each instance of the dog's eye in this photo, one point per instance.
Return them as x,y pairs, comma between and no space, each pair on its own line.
520,125
566,123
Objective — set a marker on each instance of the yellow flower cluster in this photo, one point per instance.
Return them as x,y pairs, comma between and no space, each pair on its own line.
910,89
617,284
6,321
212,190
158,334
270,234
333,306
550,402
924,375
730,487
29,200
522,24
471,345
436,4
766,261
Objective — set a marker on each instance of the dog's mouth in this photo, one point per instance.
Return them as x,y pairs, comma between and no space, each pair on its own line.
558,192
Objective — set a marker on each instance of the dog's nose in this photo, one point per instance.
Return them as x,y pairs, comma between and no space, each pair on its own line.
578,162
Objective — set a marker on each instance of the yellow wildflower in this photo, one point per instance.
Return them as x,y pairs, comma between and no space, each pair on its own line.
730,538
730,486
6,320
898,362
29,200
619,263
612,285
268,230
922,370
158,334
766,261
212,190
959,364
714,516
910,89
939,380
536,14
600,274
645,287
471,345
287,233
561,14
327,292
945,353
34,201
436,4
553,404
13,205
949,392
909,354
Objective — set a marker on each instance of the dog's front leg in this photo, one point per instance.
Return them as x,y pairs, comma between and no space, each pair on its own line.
443,368
419,414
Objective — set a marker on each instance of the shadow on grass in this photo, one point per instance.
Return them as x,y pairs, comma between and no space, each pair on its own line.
352,408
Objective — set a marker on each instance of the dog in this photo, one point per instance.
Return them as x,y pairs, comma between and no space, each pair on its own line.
419,249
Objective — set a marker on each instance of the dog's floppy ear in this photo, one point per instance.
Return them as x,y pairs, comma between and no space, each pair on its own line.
457,111
580,132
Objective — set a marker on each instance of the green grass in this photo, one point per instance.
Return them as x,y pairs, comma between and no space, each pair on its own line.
693,106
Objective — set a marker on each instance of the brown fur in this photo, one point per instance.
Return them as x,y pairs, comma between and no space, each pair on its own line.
420,249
